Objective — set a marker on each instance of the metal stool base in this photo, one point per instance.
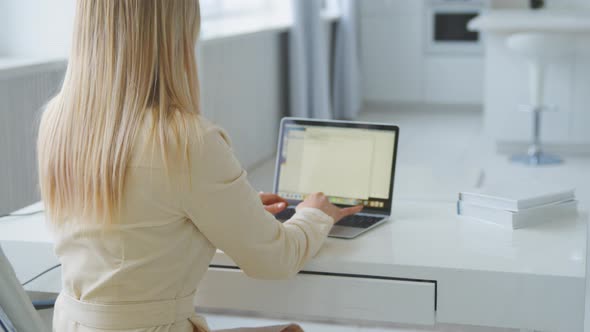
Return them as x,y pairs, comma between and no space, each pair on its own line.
539,159
535,155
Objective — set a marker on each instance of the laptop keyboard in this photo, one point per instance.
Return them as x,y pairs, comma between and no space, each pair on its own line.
358,221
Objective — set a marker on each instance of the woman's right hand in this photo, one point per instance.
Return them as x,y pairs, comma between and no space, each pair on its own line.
320,201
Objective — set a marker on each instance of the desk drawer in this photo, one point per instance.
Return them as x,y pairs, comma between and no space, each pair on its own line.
321,296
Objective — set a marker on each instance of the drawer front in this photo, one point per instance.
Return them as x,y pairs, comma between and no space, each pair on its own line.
321,296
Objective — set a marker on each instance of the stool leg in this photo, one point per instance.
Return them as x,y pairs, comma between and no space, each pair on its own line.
535,155
535,148
536,83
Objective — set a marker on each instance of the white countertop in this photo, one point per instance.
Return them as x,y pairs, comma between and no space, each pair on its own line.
505,21
419,235
431,235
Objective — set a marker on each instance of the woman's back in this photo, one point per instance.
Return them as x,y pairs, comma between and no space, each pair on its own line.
172,219
151,253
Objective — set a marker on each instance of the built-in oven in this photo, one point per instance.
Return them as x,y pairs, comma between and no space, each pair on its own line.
446,29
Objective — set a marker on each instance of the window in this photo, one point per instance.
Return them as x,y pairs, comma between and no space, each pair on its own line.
229,17
330,6
216,8
223,8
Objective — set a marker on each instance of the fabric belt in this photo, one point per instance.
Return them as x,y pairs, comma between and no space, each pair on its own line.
126,316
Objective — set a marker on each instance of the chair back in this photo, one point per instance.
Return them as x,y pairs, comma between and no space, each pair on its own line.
16,310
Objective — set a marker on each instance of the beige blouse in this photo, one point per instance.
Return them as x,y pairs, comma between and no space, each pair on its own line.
141,274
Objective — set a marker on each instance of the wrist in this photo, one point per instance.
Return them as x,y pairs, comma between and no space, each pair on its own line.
316,214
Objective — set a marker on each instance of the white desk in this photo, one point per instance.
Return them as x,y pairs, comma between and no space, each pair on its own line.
426,266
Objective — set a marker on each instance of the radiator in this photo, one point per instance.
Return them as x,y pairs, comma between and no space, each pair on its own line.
24,90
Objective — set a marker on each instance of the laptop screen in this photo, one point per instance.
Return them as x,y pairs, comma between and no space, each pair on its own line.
351,164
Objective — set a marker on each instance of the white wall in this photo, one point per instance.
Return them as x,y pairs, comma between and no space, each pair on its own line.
244,91
568,4
391,50
22,95
36,28
3,29
397,69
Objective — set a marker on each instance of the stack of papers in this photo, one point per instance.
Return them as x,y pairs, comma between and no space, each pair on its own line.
519,208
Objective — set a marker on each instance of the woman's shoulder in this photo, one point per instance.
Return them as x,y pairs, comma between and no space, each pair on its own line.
211,148
212,132
205,136
192,137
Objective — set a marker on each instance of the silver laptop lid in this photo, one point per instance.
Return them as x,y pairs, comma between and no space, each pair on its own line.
351,162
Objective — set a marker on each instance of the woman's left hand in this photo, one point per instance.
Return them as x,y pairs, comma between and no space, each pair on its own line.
273,203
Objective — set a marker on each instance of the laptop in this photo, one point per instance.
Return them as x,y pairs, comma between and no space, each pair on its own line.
353,163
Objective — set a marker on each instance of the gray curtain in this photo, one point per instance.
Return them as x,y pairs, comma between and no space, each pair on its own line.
308,63
347,78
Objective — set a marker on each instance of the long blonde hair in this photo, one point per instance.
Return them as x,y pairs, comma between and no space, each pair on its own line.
128,58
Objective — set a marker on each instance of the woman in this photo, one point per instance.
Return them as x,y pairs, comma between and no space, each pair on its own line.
140,189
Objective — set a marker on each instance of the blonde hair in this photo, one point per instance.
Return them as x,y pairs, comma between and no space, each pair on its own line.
129,58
